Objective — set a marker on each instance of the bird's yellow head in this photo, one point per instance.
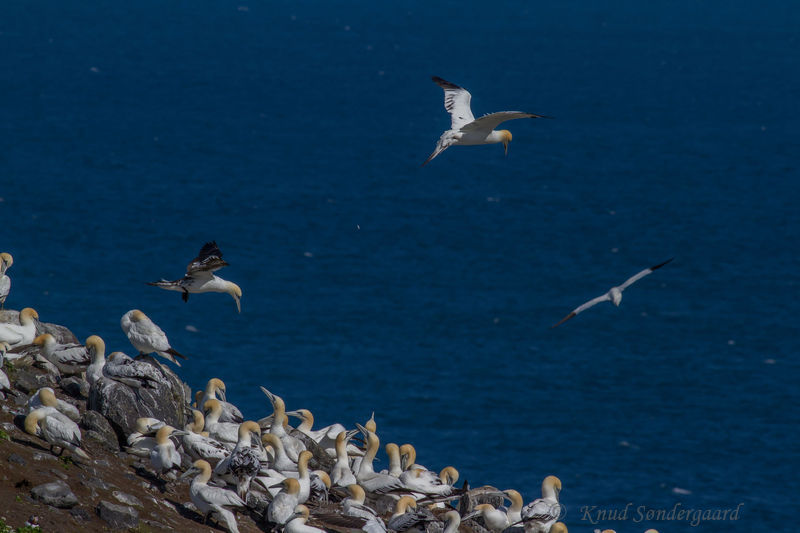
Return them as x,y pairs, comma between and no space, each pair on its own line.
137,316
6,260
42,339
506,135
236,293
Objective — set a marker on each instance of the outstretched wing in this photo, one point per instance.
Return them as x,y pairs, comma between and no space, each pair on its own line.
642,274
583,307
456,102
208,260
492,120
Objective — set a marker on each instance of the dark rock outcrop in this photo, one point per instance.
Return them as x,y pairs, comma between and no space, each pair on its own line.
57,494
98,429
122,405
118,516
75,387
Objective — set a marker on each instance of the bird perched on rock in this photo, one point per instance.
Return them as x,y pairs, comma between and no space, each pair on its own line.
23,334
4,383
62,354
465,130
56,429
146,336
199,276
212,500
5,282
46,397
164,457
122,368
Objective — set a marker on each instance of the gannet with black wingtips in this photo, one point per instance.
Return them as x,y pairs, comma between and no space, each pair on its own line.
20,335
230,413
62,354
614,294
291,445
164,456
283,504
325,437
540,514
122,368
199,445
243,463
56,429
366,476
465,129
354,505
147,337
46,397
5,282
403,520
214,500
297,522
200,276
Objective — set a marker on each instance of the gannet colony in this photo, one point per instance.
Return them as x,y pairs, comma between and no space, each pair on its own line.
261,474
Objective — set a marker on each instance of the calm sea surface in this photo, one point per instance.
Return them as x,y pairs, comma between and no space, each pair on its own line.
293,133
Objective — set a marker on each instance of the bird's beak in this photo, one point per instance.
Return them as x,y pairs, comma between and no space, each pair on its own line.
505,148
238,305
295,414
189,473
268,393
221,394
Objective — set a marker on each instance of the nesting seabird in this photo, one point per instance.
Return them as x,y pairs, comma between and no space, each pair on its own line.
200,277
200,446
23,334
56,429
366,476
614,295
230,413
354,505
146,336
122,368
465,130
495,519
281,510
5,282
292,445
243,462
405,520
164,456
46,397
297,522
62,354
540,514
212,500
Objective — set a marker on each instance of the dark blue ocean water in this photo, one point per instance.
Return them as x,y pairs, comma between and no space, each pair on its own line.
293,132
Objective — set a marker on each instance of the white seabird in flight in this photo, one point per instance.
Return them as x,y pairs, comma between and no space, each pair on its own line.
146,336
614,295
464,129
200,278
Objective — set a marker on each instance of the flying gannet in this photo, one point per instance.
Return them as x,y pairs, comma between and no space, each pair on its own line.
5,282
23,334
465,130
146,336
614,294
200,278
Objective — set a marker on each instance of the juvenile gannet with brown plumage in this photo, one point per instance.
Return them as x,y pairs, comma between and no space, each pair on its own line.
543,512
291,445
146,336
214,500
56,429
230,413
200,276
366,476
46,397
465,129
614,294
62,354
20,335
164,456
5,282
243,463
